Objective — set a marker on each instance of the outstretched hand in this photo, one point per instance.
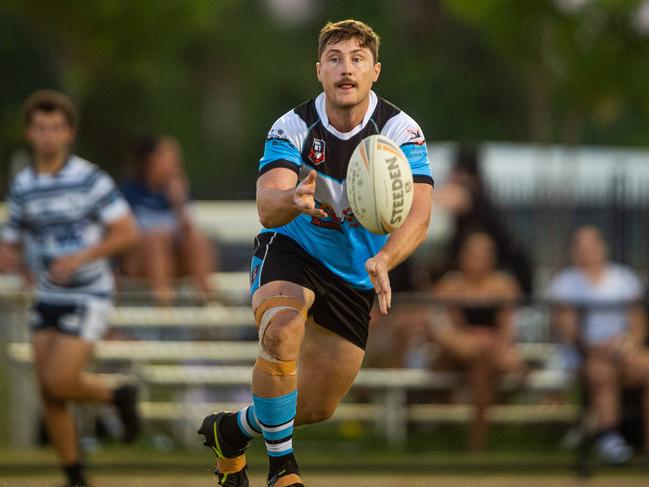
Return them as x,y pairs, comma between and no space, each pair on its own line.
377,268
304,197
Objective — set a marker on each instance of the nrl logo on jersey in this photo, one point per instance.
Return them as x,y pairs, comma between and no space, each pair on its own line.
317,152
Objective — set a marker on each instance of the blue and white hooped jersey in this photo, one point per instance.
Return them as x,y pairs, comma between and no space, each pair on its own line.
303,140
59,214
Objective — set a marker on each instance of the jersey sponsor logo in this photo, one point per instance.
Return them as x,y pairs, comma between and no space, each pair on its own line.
335,222
317,152
277,134
415,136
254,273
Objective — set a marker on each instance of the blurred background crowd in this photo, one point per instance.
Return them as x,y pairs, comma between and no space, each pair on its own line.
537,116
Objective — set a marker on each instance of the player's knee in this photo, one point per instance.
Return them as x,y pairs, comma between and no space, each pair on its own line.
282,337
315,414
280,320
49,399
57,387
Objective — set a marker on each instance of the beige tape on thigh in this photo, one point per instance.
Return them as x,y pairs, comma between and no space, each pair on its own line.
281,302
266,312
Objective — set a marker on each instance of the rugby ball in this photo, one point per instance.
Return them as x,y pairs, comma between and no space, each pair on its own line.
379,184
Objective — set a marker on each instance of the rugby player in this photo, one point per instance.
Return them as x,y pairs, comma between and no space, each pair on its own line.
315,269
66,219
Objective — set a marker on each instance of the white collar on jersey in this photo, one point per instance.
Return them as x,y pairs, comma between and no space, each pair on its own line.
322,113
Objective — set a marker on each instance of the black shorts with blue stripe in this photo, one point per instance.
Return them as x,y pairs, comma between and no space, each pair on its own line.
338,307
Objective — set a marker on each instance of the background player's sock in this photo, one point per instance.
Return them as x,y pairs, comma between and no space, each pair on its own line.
239,428
276,416
74,474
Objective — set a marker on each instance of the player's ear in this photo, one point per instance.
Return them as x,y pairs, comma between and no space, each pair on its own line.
317,70
377,71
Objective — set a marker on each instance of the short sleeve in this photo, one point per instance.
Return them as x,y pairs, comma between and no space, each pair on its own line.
631,284
12,231
562,287
283,143
107,203
408,135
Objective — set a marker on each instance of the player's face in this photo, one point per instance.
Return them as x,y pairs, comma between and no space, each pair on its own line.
347,72
49,133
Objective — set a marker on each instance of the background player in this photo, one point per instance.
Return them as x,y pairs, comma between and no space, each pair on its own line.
66,217
314,266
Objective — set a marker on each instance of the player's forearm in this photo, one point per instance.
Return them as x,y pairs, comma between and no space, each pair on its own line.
403,242
276,207
118,239
405,239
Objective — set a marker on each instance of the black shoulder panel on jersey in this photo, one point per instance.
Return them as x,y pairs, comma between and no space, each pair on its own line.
307,112
383,112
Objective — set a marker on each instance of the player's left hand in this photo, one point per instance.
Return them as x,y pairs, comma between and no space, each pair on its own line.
377,268
61,270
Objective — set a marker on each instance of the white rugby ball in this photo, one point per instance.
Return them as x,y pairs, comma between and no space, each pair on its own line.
379,184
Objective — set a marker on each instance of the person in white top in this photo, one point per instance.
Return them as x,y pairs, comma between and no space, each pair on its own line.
599,310
66,218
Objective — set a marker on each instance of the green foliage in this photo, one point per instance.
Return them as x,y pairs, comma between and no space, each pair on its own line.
218,73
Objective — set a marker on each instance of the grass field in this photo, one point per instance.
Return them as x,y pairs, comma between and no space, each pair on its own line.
329,456
320,480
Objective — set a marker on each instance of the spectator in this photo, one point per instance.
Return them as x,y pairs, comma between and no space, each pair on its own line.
599,311
464,195
172,245
479,336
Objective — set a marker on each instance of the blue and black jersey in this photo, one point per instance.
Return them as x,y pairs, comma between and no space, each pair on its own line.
303,140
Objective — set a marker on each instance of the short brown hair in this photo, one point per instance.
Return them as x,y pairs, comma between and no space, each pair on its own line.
343,30
50,101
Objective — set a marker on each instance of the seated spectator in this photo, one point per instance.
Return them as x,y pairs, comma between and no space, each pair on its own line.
465,196
171,245
479,336
599,311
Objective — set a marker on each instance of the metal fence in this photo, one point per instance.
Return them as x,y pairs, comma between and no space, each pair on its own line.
191,360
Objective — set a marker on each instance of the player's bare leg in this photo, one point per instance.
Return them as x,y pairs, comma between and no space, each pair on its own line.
60,361
58,420
327,367
280,312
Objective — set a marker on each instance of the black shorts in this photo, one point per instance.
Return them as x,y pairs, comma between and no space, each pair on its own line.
337,307
88,320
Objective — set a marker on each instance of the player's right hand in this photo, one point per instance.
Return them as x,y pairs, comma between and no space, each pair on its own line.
304,196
